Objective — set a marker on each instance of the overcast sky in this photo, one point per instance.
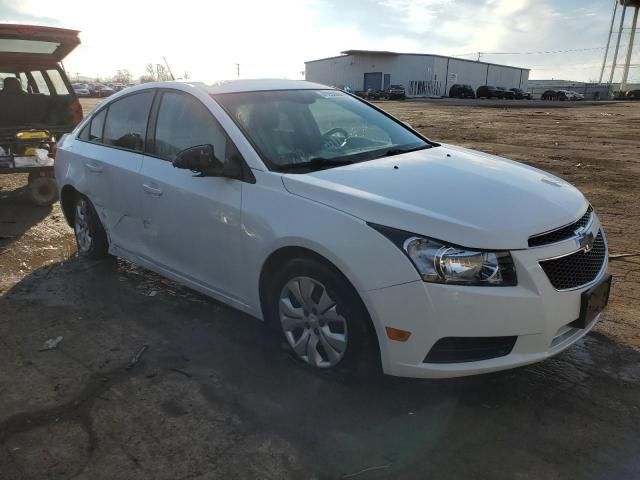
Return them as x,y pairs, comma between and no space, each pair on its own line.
274,38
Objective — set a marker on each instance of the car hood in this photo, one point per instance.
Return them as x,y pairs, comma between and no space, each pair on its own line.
449,193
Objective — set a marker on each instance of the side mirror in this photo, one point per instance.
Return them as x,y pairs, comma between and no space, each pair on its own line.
199,159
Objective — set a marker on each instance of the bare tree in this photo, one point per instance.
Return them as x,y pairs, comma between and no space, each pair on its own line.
122,76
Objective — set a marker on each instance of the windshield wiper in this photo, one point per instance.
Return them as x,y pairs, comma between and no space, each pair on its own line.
398,151
315,164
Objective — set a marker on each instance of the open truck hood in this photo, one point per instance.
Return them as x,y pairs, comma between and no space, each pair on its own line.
32,44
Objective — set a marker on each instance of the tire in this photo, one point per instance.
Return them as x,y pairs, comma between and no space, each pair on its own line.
43,190
91,238
324,325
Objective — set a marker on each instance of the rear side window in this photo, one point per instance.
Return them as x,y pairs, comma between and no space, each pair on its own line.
97,126
126,122
184,122
58,82
41,83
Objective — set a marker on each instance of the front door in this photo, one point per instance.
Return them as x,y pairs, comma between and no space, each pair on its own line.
387,80
192,224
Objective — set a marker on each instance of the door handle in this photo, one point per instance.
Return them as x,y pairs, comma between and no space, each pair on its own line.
92,167
151,190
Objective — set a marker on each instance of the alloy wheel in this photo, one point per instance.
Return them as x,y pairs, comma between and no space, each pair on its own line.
81,227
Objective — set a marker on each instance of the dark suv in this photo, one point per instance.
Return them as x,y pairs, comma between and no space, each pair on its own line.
395,92
508,94
459,90
37,102
521,94
489,91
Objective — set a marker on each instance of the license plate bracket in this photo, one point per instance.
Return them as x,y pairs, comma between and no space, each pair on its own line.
592,302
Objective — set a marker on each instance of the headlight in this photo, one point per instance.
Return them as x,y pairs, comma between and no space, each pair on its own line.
439,262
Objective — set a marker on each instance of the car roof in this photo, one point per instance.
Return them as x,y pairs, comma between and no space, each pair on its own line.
256,85
230,86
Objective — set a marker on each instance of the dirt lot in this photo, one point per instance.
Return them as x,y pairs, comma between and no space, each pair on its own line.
213,397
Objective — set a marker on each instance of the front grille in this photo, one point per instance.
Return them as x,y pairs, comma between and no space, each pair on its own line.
577,269
561,233
469,349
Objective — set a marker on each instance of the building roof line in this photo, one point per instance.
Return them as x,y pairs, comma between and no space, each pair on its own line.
347,53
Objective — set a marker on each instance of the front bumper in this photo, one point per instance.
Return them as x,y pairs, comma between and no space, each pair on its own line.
533,311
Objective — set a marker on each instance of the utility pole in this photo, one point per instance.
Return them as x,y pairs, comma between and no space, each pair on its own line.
606,50
632,37
479,55
168,68
238,70
615,53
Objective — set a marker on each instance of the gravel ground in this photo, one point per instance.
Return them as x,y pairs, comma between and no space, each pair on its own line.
211,395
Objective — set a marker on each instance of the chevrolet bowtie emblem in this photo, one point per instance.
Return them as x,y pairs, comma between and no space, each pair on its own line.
585,240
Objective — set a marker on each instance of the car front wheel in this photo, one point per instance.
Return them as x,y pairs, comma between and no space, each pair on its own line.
322,318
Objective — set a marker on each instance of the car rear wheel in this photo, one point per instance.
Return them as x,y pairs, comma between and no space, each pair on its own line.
43,190
91,238
322,319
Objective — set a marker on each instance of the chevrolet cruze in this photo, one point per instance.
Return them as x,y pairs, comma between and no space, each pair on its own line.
364,244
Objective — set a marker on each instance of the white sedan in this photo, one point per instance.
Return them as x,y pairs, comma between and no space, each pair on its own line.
366,245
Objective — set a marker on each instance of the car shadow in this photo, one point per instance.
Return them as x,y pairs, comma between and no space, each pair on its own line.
573,416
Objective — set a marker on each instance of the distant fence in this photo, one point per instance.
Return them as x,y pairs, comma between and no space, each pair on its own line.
424,88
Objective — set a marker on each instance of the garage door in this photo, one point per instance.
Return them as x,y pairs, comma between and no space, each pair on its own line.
373,80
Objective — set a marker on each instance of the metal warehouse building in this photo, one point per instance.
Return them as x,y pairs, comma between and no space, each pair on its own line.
422,75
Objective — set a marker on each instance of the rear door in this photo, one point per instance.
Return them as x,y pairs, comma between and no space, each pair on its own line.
192,224
112,148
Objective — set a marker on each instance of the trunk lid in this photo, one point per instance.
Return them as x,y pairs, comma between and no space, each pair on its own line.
32,44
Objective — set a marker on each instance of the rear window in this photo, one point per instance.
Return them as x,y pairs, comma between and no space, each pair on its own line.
41,83
20,76
58,82
12,45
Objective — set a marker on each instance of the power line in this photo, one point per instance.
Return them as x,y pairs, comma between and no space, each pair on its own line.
544,52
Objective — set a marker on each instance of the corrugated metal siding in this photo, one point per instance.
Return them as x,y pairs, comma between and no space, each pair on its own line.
421,75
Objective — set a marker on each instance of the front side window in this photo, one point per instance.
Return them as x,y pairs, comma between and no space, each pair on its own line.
307,128
126,122
184,122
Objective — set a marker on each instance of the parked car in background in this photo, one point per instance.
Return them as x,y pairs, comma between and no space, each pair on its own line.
559,95
633,95
507,94
395,92
37,103
104,91
362,243
81,90
459,90
573,96
93,88
521,94
372,94
489,91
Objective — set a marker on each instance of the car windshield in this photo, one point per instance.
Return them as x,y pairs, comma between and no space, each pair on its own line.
311,129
